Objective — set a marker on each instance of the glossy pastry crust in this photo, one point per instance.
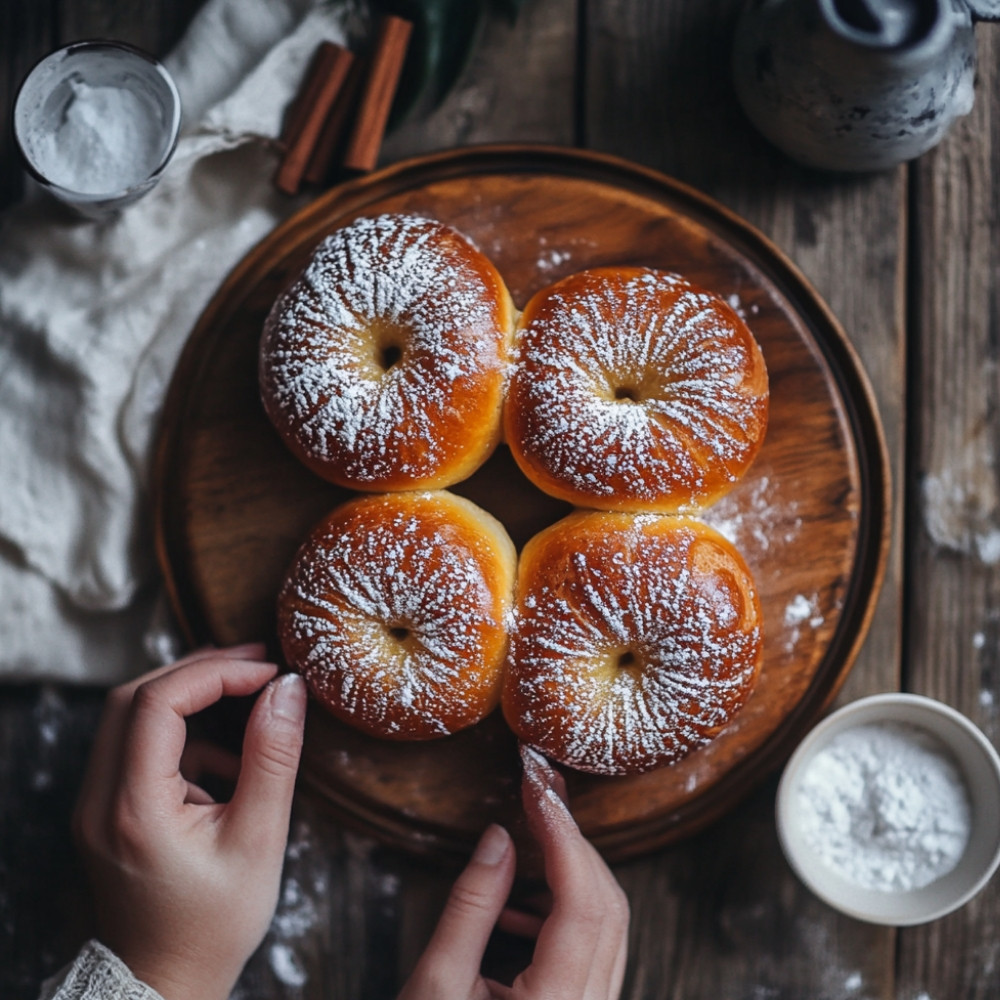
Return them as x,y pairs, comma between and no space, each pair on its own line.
633,389
636,639
383,366
394,610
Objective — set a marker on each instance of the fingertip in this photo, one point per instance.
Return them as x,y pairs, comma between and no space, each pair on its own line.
287,698
245,651
539,771
544,789
272,750
494,846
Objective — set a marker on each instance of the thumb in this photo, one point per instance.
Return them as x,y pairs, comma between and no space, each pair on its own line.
272,745
450,964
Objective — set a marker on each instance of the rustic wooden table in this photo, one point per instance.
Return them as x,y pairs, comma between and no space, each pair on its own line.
906,260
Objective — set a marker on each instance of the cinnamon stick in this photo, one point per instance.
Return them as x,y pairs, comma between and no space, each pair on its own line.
318,94
384,69
298,110
331,137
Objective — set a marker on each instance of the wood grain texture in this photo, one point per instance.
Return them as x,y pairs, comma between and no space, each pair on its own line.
953,628
658,89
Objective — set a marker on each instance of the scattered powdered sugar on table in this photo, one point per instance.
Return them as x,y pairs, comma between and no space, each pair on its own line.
753,517
285,965
800,613
549,260
955,519
300,910
801,609
736,304
49,715
961,502
885,806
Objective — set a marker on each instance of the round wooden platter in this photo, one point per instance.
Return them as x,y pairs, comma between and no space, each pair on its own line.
811,517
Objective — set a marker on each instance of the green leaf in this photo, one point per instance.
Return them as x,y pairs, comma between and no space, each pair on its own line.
445,34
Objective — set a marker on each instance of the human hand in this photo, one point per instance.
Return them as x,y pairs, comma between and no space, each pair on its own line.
185,886
581,948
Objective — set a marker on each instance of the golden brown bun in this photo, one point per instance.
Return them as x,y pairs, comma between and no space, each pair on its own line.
383,366
394,612
634,389
636,639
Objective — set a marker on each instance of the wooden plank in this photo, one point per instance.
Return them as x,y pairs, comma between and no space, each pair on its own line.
27,30
155,27
381,907
658,90
846,234
46,730
345,925
954,624
337,923
45,734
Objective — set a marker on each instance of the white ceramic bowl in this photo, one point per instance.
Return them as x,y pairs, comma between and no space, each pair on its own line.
980,766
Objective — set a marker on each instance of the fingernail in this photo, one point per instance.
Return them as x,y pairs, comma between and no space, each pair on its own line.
493,846
288,697
247,647
537,768
542,777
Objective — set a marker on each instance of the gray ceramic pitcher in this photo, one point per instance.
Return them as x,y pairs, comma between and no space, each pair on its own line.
856,84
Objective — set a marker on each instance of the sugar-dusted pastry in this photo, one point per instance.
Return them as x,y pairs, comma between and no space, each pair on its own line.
394,610
633,389
383,365
636,638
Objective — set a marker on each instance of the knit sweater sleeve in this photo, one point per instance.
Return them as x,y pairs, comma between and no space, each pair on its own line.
96,974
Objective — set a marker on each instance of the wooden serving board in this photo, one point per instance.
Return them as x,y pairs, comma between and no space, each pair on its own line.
811,517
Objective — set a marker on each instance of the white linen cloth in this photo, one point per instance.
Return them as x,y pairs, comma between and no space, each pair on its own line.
92,319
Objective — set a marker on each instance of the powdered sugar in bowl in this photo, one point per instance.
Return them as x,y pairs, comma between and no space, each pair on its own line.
96,122
889,809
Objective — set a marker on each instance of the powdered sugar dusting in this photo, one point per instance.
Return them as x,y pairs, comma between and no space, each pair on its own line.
802,614
408,283
637,387
549,260
389,612
633,644
736,304
286,965
753,519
